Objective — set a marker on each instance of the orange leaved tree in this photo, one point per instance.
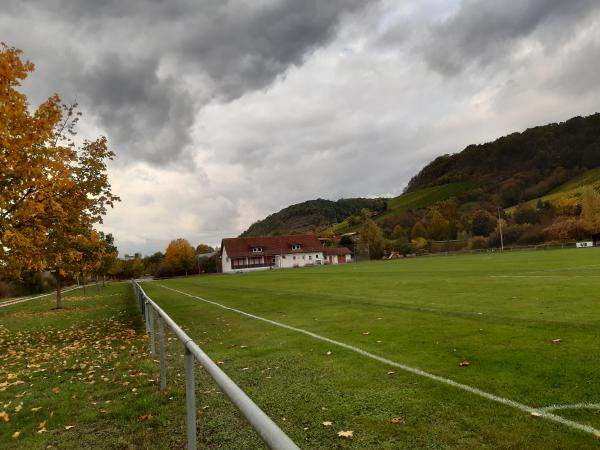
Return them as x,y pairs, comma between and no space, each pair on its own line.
180,256
52,192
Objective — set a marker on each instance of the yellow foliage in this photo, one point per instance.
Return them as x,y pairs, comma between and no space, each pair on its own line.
51,193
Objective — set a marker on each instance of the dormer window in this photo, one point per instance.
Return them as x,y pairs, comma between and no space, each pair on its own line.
296,246
256,249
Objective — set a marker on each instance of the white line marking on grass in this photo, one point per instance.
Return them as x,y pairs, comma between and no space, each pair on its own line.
14,302
413,370
574,406
544,276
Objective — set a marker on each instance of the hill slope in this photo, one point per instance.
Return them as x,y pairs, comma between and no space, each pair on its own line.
520,166
547,163
312,214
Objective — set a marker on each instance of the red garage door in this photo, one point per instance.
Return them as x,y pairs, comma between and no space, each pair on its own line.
341,259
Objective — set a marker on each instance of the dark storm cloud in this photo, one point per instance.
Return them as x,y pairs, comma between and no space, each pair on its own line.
147,115
486,32
245,48
145,67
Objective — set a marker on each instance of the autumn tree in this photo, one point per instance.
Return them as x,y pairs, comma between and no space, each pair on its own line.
371,235
204,248
180,255
52,192
590,208
482,223
107,255
438,227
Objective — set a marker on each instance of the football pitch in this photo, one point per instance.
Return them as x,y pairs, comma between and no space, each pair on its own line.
474,351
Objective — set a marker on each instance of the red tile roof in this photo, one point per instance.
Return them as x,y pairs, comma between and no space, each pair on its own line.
271,245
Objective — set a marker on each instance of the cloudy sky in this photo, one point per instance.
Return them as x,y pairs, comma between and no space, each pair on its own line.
223,111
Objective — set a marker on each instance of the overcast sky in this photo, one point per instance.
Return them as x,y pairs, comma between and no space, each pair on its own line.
222,112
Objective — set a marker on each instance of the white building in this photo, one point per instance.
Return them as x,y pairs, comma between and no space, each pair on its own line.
261,253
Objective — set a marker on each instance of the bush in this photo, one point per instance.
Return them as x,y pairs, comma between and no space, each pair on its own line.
420,245
478,242
39,282
525,213
534,234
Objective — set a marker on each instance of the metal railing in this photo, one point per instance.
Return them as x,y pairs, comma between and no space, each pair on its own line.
270,433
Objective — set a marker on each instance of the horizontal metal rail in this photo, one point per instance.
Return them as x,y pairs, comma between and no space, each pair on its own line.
270,433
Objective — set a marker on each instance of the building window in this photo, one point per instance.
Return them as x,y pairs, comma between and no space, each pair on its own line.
282,256
317,256
296,247
309,256
257,249
293,257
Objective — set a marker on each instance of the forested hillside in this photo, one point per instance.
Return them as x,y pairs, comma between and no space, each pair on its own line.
313,214
520,166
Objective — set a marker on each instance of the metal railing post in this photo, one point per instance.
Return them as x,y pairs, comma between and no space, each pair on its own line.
146,302
190,400
151,328
161,351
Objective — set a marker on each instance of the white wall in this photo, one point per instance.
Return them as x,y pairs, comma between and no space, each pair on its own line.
225,261
287,260
284,261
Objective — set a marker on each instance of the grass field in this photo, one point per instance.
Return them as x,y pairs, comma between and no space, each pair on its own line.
80,377
501,312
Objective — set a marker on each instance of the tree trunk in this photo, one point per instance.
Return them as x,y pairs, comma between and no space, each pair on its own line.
103,280
58,290
83,283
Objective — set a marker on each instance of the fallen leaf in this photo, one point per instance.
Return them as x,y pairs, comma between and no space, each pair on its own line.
397,420
42,430
42,424
16,434
19,407
68,427
556,341
145,417
328,353
345,434
36,409
327,423
55,390
4,416
391,372
465,363
366,333
536,414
